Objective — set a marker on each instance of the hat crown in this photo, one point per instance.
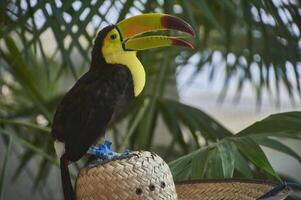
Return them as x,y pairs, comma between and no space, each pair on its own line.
142,176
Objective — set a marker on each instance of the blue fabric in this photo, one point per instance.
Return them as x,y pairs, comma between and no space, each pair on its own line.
104,151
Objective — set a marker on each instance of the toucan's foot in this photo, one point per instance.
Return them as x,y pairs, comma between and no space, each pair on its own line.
104,153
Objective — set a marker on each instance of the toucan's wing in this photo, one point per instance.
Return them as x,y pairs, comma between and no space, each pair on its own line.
88,107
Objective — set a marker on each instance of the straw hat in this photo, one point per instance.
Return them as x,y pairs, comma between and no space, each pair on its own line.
144,175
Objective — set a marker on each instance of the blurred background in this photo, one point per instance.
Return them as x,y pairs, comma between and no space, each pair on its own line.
245,66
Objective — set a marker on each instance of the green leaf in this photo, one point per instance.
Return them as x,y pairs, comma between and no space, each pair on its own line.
126,7
147,125
147,132
214,167
196,119
180,167
225,151
230,7
170,119
38,150
184,174
42,174
251,150
203,6
22,73
282,124
25,124
24,159
278,146
134,124
199,162
241,164
4,167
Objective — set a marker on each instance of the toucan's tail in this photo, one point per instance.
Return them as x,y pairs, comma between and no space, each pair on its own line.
66,181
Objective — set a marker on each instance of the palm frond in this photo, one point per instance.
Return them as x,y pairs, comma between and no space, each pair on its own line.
234,154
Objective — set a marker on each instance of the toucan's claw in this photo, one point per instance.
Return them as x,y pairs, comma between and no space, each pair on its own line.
104,153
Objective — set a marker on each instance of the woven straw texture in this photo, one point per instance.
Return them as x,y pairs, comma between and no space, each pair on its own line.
146,176
225,189
143,176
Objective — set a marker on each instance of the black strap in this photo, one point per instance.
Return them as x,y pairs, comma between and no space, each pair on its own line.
277,189
66,181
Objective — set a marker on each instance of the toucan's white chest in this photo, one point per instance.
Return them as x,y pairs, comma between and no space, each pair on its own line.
129,59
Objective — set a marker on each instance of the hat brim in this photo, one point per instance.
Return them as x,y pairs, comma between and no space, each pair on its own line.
239,189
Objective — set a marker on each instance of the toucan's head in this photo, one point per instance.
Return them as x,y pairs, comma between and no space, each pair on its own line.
117,44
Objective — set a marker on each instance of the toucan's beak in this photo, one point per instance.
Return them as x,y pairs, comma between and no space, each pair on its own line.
132,27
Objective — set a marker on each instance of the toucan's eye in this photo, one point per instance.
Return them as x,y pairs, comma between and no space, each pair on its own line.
113,36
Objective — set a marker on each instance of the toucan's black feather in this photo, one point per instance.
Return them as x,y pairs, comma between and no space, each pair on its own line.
97,57
88,107
86,110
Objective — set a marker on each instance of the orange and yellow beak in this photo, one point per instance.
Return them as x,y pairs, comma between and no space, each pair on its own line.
132,27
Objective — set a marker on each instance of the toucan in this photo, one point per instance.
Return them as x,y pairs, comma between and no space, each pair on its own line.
115,77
